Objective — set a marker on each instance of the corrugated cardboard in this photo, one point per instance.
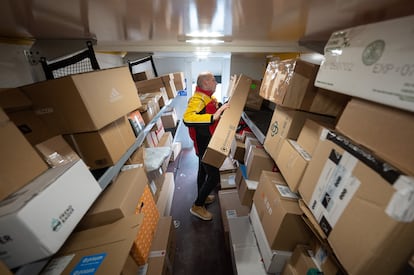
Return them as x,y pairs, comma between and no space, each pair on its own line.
117,201
99,250
28,236
292,162
56,151
161,258
373,58
220,143
245,187
287,124
164,201
103,148
279,213
228,180
384,130
254,100
13,99
362,204
19,161
179,81
84,102
257,161
231,207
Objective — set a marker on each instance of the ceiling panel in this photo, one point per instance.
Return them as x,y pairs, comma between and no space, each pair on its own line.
158,25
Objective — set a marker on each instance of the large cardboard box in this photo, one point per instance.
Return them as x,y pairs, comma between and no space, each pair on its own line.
84,102
118,200
219,146
19,161
279,213
363,205
36,220
105,147
371,62
274,260
13,99
99,250
287,124
161,258
231,207
387,131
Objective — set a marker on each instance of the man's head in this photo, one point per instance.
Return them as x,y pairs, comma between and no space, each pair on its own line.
207,82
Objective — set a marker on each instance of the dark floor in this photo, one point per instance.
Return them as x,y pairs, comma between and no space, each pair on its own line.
201,246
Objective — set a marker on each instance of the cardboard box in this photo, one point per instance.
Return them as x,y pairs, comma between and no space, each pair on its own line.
254,100
13,99
290,83
169,118
360,201
137,122
280,214
141,248
287,124
179,81
176,150
231,207
302,261
19,161
258,160
105,147
250,142
245,187
99,250
28,236
165,198
274,260
229,166
387,131
142,75
56,151
237,150
228,180
118,200
311,133
373,57
219,146
292,162
161,258
169,85
84,102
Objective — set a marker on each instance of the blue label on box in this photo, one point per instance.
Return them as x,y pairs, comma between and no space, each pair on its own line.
88,264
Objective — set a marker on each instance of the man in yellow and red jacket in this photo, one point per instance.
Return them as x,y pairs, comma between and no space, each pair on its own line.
201,117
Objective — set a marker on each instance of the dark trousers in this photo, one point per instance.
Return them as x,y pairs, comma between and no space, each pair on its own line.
207,179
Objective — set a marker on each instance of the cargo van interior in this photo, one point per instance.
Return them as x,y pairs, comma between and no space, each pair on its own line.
225,37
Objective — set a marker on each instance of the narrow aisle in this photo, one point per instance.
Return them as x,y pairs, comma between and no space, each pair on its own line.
201,246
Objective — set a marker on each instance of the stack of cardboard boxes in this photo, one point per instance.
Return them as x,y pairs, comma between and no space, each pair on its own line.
341,199
56,131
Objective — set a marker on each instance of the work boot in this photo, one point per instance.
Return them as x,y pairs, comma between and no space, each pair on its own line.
210,199
201,212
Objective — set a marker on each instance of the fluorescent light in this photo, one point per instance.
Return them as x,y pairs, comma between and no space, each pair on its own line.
204,41
205,34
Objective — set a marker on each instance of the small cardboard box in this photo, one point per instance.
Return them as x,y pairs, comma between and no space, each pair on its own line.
28,236
19,161
219,146
105,147
257,161
353,194
371,62
99,250
179,81
245,187
84,102
56,151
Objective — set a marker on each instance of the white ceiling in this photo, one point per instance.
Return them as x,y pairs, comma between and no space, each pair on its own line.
158,25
